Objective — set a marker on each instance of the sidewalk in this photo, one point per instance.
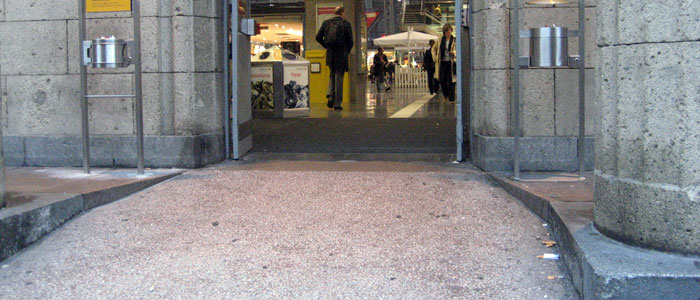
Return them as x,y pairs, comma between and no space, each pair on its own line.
600,268
40,200
277,229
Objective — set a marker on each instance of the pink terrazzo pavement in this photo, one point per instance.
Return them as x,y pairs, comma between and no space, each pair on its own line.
236,231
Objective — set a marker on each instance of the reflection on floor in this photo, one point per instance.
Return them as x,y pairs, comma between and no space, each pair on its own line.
407,102
399,121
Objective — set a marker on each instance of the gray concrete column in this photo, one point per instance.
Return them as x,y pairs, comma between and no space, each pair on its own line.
647,175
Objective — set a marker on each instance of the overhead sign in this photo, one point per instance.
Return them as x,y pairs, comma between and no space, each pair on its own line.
93,6
371,16
325,11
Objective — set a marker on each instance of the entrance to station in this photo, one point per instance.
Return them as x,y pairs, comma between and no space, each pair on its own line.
403,120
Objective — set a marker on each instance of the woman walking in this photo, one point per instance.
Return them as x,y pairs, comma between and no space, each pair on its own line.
444,56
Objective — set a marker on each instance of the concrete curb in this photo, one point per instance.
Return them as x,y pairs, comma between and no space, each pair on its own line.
22,226
602,268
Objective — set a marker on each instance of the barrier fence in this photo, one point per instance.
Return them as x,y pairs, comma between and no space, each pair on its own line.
411,78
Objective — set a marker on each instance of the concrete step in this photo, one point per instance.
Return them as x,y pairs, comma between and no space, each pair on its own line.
602,268
39,200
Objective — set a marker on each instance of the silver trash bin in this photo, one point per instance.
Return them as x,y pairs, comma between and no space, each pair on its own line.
549,47
107,53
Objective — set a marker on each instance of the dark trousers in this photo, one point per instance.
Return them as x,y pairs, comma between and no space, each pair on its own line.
446,84
432,84
335,87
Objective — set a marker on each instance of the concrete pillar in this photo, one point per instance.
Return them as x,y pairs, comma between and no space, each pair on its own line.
182,75
647,174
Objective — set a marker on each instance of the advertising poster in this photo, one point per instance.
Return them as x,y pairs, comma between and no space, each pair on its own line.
263,93
296,86
325,11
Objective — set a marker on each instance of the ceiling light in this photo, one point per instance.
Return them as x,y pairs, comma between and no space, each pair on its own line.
548,1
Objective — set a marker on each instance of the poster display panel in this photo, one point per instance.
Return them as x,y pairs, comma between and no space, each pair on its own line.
296,85
263,95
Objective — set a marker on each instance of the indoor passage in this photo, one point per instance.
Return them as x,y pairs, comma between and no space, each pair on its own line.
407,118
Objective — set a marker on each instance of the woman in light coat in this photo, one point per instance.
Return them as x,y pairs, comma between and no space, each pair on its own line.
444,53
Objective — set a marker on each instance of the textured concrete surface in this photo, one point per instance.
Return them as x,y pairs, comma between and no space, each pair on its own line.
114,151
546,153
601,268
648,174
40,200
299,230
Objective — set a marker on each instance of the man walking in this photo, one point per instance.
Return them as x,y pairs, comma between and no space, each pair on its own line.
336,36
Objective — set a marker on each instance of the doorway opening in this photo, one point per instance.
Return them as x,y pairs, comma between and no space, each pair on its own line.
405,119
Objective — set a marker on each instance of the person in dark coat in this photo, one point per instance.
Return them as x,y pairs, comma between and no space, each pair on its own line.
429,66
336,55
379,63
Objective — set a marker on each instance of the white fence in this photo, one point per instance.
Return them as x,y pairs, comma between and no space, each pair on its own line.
411,78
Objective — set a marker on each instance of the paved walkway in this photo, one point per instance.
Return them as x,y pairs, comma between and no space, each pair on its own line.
298,230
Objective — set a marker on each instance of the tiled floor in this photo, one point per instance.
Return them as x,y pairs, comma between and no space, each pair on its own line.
388,104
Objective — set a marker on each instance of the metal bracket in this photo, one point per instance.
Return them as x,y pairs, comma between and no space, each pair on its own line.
86,53
524,62
130,45
574,61
247,27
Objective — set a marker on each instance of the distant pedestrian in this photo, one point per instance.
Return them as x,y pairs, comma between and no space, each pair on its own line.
391,69
379,63
444,52
336,36
429,66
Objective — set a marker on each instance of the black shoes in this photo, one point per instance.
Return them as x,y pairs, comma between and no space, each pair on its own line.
330,104
387,89
338,108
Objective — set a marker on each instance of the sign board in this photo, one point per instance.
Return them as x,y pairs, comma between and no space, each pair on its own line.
93,6
325,11
371,17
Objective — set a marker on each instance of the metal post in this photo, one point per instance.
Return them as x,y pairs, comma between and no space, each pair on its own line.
136,14
515,82
472,86
227,82
233,16
582,88
83,92
460,77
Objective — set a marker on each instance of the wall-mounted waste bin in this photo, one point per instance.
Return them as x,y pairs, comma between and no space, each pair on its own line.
549,47
107,53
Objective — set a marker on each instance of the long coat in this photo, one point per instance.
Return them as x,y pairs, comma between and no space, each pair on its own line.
337,57
437,55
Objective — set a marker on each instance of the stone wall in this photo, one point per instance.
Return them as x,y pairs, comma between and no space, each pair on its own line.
648,137
549,97
39,55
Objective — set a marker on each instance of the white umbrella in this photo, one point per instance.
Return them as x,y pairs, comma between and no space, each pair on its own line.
415,40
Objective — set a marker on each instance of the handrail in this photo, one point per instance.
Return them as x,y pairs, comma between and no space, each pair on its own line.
433,17
403,11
